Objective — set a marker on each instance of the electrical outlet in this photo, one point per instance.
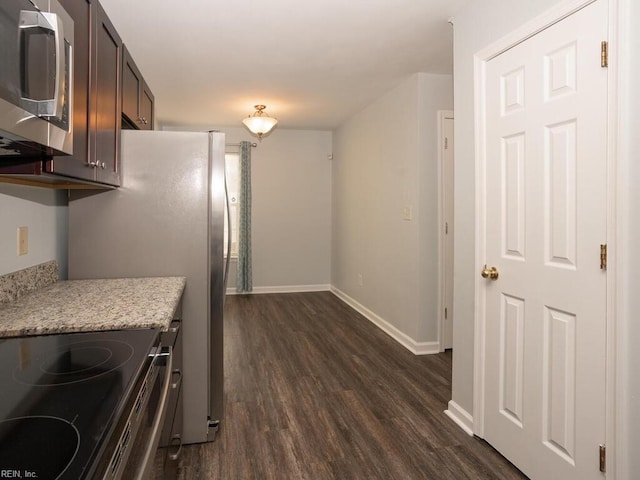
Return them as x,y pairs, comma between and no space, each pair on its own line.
23,240
360,282
407,213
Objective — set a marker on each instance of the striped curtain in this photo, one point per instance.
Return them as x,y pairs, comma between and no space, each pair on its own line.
244,280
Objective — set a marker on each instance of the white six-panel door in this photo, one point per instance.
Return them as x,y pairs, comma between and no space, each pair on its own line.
545,317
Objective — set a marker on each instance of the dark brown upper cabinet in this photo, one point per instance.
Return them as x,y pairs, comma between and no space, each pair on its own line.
137,98
98,56
105,108
76,166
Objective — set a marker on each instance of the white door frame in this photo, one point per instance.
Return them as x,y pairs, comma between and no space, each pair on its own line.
442,115
552,16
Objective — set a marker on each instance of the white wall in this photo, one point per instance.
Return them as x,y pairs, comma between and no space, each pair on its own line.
629,327
478,25
385,158
44,212
291,208
291,224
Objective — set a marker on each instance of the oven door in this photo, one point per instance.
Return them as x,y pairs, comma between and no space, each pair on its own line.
134,457
36,74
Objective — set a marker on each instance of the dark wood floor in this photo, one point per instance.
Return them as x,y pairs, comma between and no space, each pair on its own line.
315,391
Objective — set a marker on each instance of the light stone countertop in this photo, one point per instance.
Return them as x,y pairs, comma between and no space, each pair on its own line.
92,305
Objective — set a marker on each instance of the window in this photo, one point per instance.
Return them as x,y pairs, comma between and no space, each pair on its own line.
232,171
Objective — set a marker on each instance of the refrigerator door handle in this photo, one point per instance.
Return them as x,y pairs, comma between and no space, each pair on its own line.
229,228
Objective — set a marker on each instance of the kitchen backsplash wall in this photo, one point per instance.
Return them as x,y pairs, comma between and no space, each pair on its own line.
44,212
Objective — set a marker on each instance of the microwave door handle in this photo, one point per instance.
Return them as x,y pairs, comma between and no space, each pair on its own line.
31,19
58,97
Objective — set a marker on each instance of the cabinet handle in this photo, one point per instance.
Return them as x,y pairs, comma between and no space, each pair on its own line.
175,384
92,164
103,165
178,437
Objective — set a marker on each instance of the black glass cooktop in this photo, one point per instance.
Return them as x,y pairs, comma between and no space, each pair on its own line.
61,398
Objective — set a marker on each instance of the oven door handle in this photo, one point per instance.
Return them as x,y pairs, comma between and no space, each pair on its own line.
158,420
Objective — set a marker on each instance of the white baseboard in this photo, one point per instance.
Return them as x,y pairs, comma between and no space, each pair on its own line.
460,416
284,289
417,348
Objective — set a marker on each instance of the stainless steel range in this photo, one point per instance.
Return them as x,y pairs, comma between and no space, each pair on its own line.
74,406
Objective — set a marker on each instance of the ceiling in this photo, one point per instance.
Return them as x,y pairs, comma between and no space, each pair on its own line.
314,64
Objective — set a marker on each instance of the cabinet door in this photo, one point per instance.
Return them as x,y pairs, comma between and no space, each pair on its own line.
105,97
146,108
131,86
78,165
137,99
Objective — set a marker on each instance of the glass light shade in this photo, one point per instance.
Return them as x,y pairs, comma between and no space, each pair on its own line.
260,123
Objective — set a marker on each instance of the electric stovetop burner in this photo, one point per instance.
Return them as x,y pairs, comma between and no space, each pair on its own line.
61,398
76,362
53,440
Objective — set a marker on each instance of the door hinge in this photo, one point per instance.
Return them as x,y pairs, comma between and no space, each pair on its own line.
603,458
445,313
446,228
604,54
446,143
603,257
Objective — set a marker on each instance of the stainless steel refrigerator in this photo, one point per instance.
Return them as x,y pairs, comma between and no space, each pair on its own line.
167,219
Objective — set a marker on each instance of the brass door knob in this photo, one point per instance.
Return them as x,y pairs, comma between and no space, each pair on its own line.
491,273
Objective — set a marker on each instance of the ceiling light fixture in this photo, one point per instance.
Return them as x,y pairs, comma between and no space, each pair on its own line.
260,123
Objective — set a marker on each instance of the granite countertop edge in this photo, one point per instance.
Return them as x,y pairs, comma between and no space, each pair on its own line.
72,306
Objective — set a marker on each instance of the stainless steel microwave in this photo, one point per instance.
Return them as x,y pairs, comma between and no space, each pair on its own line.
36,79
